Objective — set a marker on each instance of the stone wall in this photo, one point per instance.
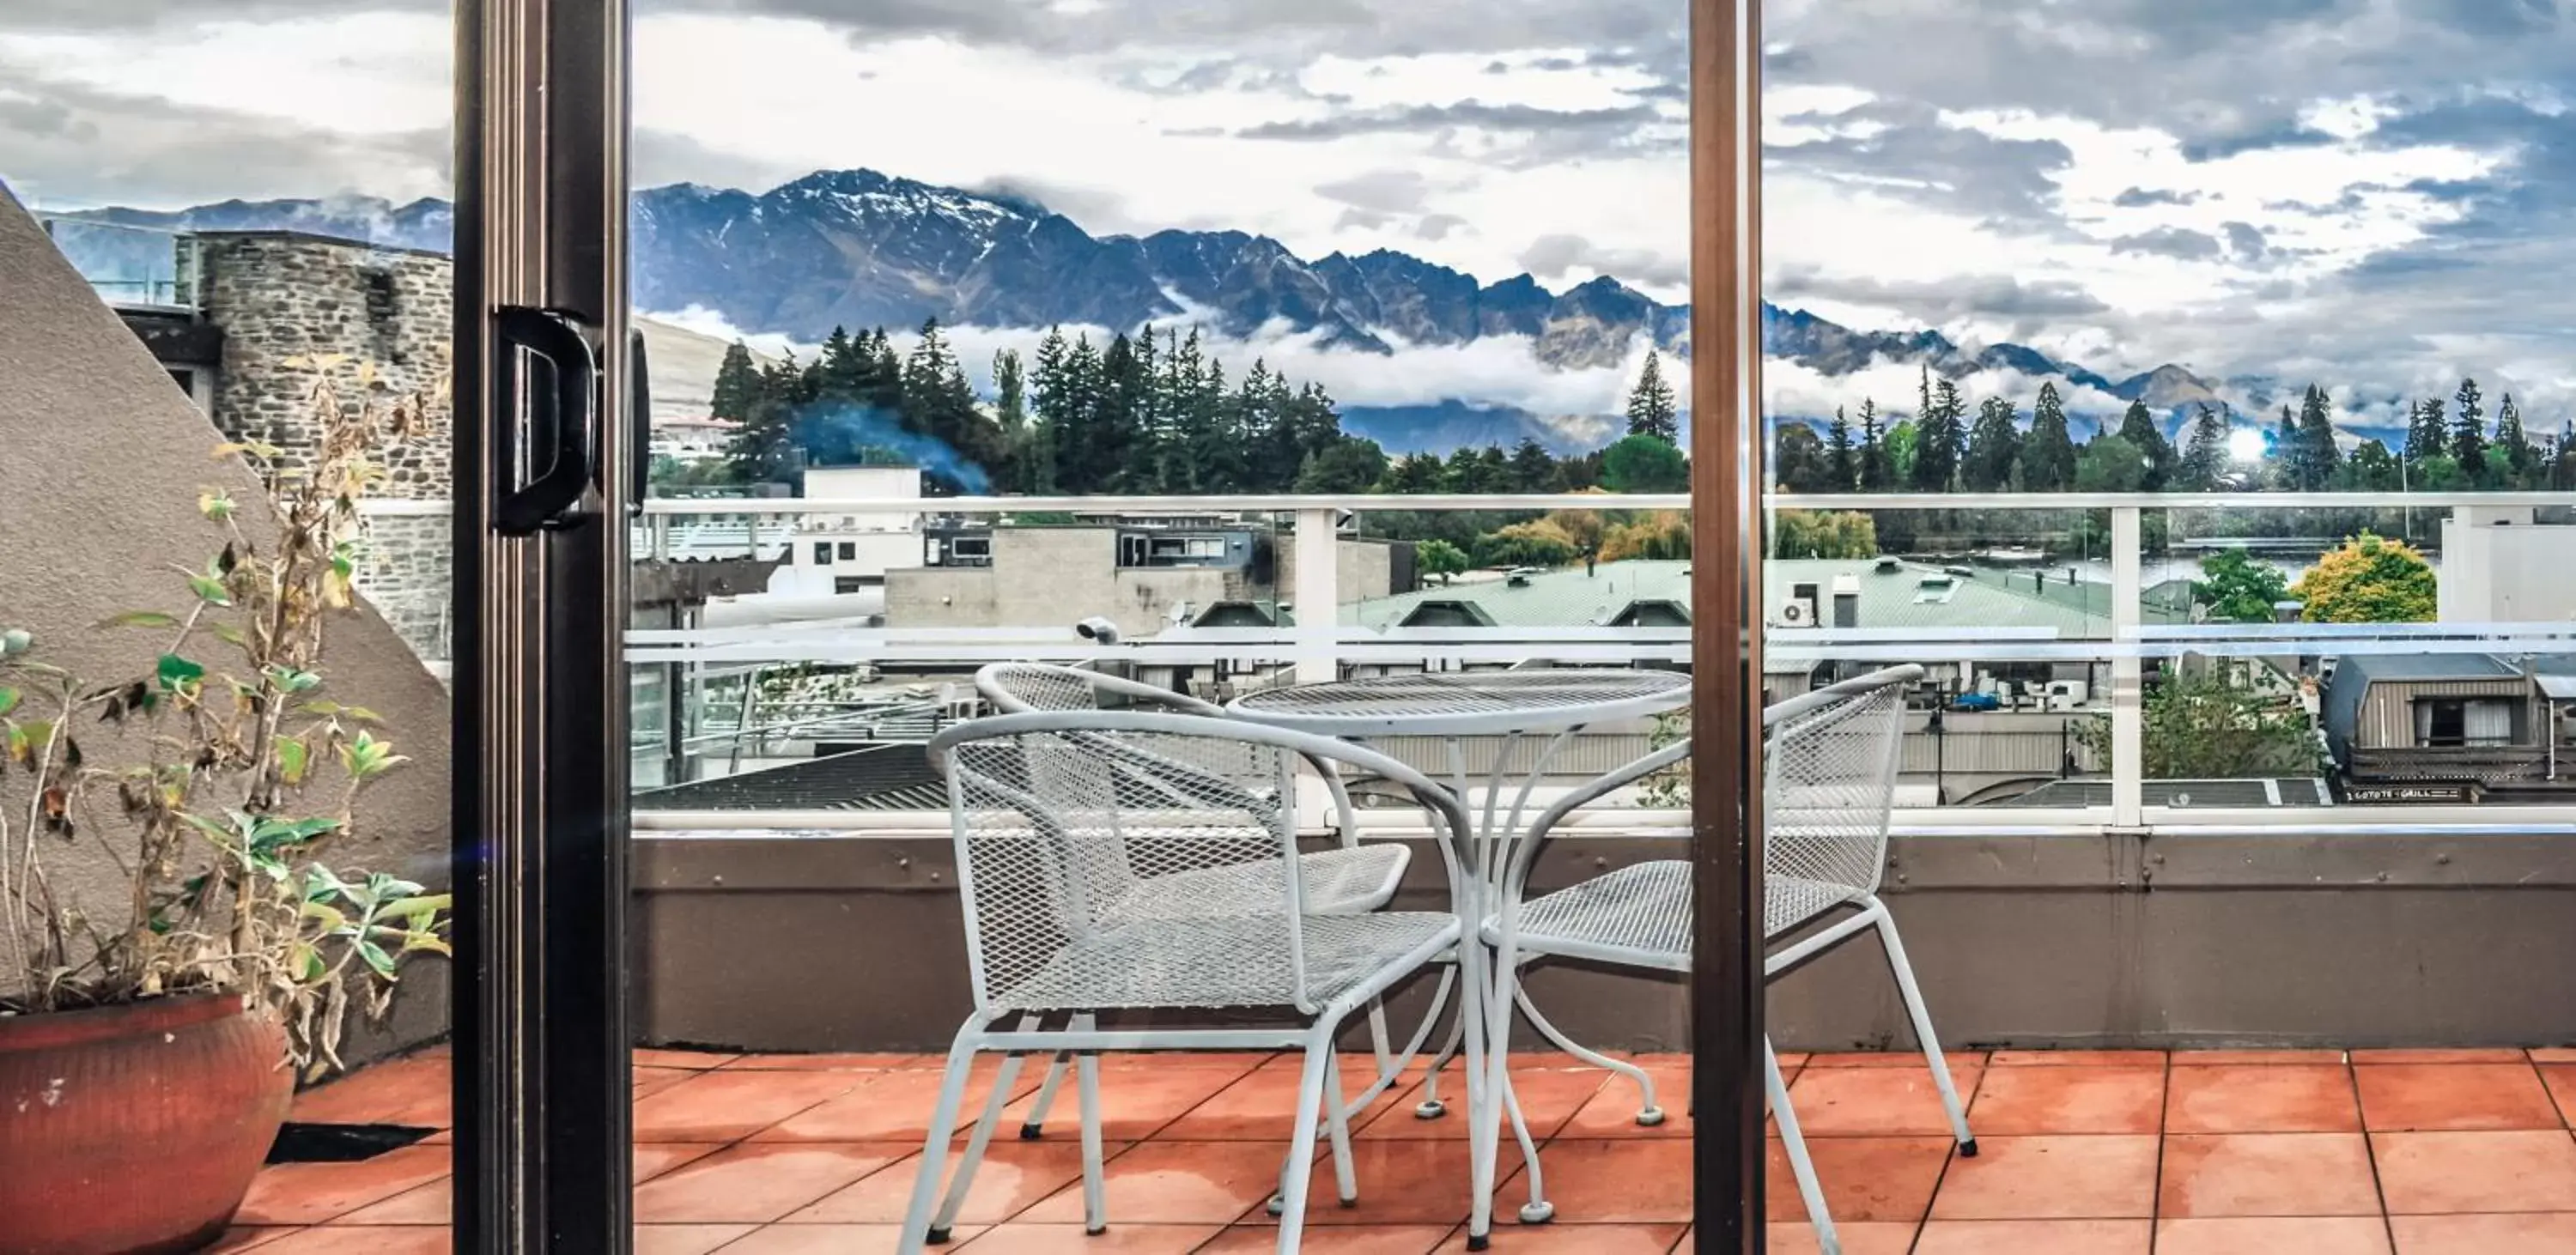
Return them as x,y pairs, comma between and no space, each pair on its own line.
291,306
407,572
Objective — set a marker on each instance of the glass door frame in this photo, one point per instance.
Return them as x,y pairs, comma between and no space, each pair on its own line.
1727,480
540,824
539,820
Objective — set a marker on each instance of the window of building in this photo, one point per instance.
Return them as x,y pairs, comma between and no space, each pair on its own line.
849,551
2452,722
822,553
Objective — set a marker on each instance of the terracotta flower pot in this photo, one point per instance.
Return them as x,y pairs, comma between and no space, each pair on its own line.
134,1128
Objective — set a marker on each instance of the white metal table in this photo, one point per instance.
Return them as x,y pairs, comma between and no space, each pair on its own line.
1451,706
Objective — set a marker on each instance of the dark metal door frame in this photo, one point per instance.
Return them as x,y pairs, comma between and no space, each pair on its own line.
1726,651
539,822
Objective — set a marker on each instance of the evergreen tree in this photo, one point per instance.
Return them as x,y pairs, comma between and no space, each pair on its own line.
1798,459
2287,463
2469,429
1842,457
1941,439
737,385
1877,472
1416,473
2139,427
1652,410
2204,459
1993,445
1533,469
2318,456
2428,433
2048,452
2519,454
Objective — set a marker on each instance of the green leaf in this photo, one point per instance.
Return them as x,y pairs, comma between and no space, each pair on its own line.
230,635
209,590
321,883
291,758
424,907
178,675
8,699
376,957
26,740
216,504
331,916
140,618
306,962
275,834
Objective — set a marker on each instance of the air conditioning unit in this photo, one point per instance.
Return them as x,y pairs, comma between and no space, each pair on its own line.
2067,694
1795,613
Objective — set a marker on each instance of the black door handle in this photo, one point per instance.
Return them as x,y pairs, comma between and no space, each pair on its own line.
545,388
639,392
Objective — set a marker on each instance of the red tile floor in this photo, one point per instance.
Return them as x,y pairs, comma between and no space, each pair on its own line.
2393,1152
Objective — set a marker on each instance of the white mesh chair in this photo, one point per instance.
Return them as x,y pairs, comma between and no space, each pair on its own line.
1067,824
1829,781
1349,879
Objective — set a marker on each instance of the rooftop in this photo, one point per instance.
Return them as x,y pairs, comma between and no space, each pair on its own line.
1891,596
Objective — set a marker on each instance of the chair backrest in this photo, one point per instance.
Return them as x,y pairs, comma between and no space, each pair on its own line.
1066,821
1019,687
1829,779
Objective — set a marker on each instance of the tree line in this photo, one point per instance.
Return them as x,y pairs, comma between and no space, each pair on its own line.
1152,413
2450,445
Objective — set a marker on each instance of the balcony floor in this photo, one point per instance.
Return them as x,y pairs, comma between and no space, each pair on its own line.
2190,1153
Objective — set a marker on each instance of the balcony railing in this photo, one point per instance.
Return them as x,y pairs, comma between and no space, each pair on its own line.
2113,642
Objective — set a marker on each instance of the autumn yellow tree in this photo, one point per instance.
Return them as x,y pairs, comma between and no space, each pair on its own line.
2370,579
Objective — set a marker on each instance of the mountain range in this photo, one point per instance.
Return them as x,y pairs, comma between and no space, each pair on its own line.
857,248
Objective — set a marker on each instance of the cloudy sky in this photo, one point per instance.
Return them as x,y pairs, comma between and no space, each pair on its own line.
2377,193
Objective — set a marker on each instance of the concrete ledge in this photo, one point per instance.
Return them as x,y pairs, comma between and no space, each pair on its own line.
852,942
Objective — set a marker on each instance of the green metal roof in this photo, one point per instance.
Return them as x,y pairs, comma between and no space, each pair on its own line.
1888,598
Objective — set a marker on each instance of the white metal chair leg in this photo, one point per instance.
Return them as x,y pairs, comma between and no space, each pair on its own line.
1648,1113
1379,1043
963,1179
1035,1125
1476,1006
1095,1196
1922,1017
1800,1165
934,1153
1311,1099
1431,1108
1338,1125
1537,1210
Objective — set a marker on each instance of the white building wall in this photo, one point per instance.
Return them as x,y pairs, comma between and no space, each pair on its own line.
2500,567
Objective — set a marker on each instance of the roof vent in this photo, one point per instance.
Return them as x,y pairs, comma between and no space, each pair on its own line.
1889,566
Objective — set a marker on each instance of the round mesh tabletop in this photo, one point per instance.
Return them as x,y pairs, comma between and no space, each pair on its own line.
1466,703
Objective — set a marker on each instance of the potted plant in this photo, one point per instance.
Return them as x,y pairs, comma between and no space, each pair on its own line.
175,946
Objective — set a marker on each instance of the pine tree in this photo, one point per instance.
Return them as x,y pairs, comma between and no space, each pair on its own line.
1652,410
1941,440
1842,457
2048,452
737,385
2138,426
2288,462
1877,472
1992,447
2204,459
2428,433
1798,459
2509,437
2318,455
1533,468
2469,430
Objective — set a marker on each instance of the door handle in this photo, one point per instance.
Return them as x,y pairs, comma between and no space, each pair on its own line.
545,387
639,392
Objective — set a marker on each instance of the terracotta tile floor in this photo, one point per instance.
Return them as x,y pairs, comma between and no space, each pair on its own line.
2118,1152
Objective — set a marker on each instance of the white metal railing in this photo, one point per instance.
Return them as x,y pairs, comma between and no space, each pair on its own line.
1318,646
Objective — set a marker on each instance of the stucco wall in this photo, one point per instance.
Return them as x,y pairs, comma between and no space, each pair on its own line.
103,463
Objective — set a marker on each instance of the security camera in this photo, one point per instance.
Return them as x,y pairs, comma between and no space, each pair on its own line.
1098,629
